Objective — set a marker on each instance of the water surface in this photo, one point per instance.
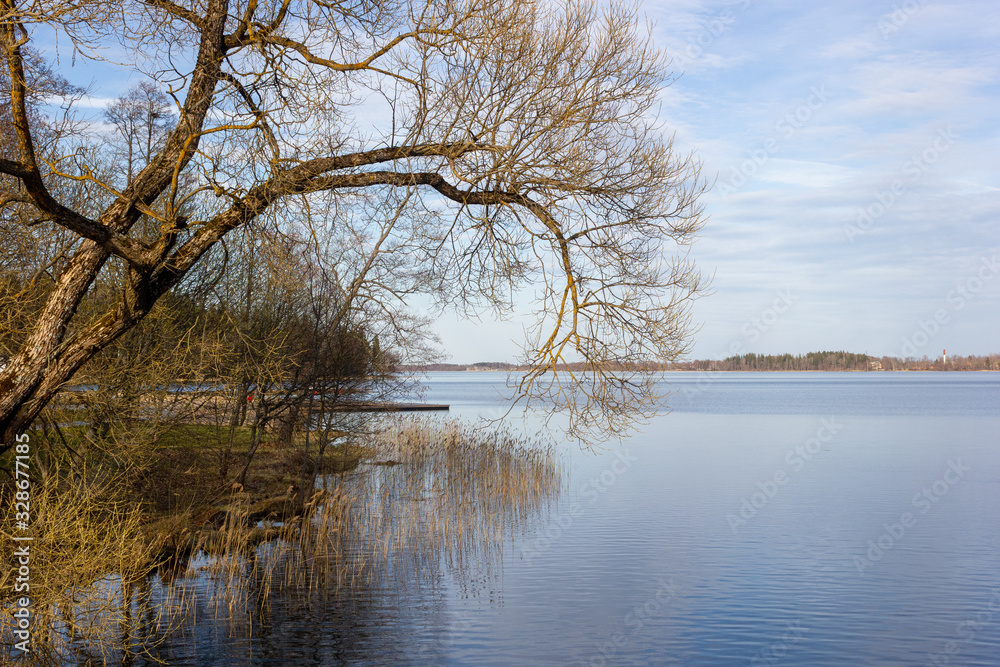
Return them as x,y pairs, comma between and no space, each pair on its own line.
760,518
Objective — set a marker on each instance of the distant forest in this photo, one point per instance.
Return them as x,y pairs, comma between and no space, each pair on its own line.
840,361
812,361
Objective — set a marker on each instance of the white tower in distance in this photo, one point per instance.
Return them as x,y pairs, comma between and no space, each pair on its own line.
944,356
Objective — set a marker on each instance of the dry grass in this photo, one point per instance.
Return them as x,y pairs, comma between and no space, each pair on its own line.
430,494
87,552
454,492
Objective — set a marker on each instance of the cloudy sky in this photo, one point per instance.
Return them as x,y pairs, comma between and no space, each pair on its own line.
855,148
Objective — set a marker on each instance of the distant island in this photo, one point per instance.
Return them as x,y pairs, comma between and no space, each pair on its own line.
812,361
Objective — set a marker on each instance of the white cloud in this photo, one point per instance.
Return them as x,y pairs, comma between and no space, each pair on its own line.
804,173
85,102
914,83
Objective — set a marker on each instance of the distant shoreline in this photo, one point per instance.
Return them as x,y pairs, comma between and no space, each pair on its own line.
812,362
469,368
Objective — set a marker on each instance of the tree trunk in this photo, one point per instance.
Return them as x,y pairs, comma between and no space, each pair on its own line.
255,434
45,362
289,421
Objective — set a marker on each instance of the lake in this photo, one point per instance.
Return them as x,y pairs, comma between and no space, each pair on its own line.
759,519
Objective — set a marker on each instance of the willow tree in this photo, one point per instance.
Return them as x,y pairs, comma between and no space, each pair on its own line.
514,145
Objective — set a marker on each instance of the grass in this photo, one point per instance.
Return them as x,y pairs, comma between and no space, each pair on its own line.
184,472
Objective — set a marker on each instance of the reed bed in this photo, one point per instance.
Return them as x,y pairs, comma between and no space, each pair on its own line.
444,490
434,494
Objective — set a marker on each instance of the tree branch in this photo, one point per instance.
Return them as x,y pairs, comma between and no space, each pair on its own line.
178,11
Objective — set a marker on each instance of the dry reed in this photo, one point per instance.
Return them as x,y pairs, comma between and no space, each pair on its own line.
435,493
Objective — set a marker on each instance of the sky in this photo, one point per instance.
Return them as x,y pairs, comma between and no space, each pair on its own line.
854,151
855,154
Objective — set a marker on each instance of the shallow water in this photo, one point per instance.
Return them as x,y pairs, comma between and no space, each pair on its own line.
778,518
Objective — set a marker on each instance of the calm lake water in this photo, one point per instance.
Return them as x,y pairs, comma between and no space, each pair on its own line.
767,518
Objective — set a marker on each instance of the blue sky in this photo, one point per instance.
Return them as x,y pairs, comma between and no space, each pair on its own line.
855,148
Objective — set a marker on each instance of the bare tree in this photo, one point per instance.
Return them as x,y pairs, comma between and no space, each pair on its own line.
142,118
517,142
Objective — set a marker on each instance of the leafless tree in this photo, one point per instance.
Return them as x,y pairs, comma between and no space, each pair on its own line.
504,144
142,118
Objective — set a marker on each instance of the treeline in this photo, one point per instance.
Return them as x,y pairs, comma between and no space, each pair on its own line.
812,361
839,361
580,367
478,366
